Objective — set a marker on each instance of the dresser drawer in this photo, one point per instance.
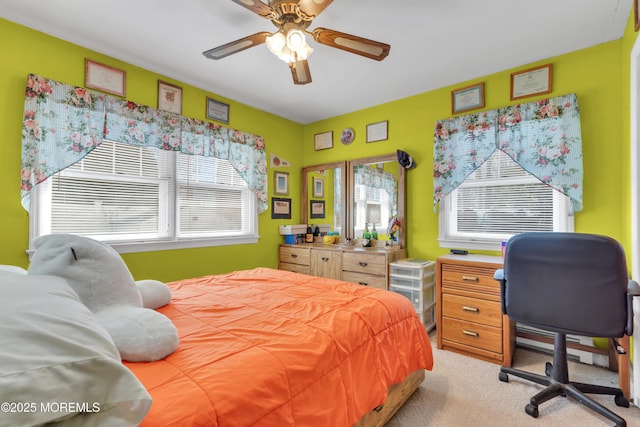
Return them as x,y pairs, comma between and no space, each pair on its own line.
295,255
296,268
365,263
472,309
470,277
472,334
370,280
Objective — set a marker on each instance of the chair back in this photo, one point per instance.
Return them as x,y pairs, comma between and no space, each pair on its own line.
567,282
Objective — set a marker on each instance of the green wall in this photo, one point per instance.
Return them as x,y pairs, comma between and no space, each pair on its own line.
598,75
34,52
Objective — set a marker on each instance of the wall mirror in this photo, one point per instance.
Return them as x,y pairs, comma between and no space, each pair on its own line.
347,194
376,193
324,197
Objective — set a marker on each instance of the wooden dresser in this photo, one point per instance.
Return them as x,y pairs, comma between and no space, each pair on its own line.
368,267
468,310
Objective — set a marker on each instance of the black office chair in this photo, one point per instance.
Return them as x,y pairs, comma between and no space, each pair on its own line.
567,283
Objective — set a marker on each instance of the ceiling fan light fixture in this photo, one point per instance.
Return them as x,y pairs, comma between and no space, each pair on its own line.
297,50
276,43
296,40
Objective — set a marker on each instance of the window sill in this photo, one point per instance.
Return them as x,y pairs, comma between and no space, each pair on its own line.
486,245
132,247
124,248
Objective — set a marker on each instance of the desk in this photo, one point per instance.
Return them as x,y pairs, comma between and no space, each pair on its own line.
469,315
468,311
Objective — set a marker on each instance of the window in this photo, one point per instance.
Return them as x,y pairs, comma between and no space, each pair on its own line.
497,201
141,198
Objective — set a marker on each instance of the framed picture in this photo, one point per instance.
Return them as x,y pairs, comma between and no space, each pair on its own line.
636,15
104,78
318,187
316,209
169,97
281,183
280,208
378,131
467,98
534,81
218,111
322,141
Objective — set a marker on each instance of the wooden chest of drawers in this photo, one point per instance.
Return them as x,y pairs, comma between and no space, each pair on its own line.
353,264
295,258
368,269
468,311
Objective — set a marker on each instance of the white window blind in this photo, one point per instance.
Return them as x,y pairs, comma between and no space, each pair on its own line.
213,198
498,200
121,194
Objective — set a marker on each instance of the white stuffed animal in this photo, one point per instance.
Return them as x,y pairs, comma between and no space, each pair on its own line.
104,284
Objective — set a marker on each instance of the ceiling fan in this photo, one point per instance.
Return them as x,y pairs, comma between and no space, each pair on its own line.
292,18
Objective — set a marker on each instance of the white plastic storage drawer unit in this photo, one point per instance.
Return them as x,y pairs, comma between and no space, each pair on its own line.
428,316
413,268
421,298
415,279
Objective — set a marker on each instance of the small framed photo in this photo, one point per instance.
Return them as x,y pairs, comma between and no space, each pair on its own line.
104,78
281,183
280,208
378,131
316,209
169,97
318,187
533,81
467,98
217,110
322,141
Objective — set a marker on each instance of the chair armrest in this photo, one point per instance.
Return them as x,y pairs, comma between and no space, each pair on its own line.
633,288
499,276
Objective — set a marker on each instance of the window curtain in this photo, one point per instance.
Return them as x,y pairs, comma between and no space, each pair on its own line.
543,137
63,123
377,178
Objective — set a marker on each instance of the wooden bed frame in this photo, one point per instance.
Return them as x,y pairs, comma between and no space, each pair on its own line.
396,397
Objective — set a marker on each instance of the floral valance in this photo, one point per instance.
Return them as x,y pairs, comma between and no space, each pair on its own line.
64,123
543,137
377,178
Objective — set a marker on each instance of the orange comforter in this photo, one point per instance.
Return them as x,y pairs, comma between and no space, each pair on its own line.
273,348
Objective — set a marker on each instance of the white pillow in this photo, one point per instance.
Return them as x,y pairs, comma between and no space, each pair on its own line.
11,269
57,363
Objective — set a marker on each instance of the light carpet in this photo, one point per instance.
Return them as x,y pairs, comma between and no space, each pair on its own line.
463,391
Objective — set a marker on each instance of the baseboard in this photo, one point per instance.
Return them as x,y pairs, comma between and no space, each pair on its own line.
579,348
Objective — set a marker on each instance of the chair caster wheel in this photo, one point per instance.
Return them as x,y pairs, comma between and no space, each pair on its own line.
503,377
532,410
548,369
622,401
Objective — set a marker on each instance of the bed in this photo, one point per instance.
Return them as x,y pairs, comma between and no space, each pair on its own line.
260,347
274,348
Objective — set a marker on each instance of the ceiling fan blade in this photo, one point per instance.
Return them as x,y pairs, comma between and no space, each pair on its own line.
236,46
300,72
256,6
354,44
313,7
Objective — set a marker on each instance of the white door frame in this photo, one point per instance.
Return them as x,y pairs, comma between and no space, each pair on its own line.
635,208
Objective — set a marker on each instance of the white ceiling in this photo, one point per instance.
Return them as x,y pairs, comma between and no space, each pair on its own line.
434,43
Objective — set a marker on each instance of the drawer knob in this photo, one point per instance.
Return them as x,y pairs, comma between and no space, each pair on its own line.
325,259
471,334
363,264
470,278
470,309
363,283
294,256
